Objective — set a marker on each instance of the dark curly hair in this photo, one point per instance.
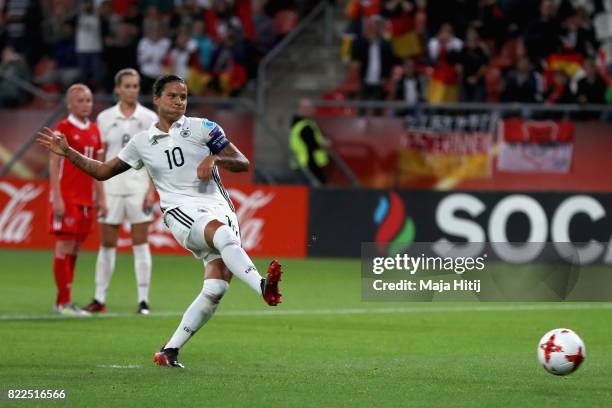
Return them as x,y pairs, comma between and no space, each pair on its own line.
160,83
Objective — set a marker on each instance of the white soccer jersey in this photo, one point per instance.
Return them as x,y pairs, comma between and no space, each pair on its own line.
116,130
172,159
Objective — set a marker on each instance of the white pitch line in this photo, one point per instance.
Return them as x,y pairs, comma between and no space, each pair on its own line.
340,312
118,366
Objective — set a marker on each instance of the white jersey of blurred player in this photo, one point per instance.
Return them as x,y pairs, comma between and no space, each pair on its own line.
117,130
129,196
185,201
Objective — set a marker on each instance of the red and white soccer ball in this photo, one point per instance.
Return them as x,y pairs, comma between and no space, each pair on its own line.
561,351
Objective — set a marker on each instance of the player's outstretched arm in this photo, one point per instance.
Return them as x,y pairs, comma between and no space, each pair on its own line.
56,143
230,158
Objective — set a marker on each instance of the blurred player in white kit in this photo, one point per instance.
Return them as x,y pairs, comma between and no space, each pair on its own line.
128,196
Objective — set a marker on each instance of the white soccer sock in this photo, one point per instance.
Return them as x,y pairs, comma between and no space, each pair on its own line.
235,258
105,265
199,312
142,269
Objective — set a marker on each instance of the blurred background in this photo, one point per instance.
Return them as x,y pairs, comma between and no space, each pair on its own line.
363,119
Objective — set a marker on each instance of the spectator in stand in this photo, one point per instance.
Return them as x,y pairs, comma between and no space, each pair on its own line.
493,24
66,70
89,45
404,40
560,92
151,52
21,30
134,17
375,58
228,72
122,47
543,33
264,28
182,55
205,45
522,84
443,50
473,62
199,78
591,89
109,24
220,18
152,19
409,88
359,12
13,66
186,15
53,26
575,37
109,21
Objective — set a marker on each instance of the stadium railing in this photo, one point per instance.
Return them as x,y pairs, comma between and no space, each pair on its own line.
509,108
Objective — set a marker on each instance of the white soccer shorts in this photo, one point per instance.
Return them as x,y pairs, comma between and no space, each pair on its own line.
187,225
120,207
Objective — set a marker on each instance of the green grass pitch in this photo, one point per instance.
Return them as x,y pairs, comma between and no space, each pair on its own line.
321,347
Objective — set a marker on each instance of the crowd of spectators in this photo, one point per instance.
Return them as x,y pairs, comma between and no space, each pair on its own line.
447,51
215,44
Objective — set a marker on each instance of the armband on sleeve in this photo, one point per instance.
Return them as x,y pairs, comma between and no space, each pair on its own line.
217,140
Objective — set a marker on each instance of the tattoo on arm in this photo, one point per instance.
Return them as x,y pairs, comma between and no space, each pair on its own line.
95,168
231,163
230,158
86,164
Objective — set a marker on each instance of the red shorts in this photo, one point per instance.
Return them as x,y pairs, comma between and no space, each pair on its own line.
74,225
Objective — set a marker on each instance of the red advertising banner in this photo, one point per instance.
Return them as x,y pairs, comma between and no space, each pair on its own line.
273,220
536,146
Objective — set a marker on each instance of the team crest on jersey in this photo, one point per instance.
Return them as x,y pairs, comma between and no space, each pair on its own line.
186,132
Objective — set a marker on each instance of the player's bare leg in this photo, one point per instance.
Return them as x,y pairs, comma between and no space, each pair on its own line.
66,252
216,282
142,264
222,238
105,266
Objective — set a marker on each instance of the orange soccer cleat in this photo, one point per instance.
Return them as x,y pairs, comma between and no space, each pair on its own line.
167,357
269,285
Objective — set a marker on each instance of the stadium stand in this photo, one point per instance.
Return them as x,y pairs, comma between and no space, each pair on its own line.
434,66
471,52
215,44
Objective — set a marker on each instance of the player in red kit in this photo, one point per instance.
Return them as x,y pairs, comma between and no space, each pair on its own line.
72,193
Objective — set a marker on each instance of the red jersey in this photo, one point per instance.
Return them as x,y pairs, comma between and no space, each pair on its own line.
76,186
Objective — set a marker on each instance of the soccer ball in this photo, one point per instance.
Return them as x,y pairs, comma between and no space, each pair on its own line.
561,351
